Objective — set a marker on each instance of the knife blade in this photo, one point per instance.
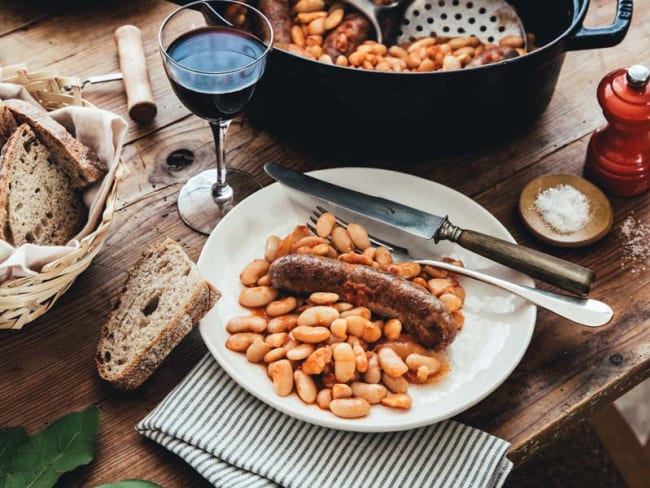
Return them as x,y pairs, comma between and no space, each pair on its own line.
408,219
563,274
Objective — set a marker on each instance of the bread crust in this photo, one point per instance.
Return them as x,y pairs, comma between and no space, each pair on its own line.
65,225
148,360
6,156
7,124
80,162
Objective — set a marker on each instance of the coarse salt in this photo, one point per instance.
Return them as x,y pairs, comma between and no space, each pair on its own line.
635,236
563,208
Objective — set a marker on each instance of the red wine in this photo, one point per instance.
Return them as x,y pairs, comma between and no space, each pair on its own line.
207,77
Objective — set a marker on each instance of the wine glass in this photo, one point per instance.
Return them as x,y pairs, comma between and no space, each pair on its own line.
214,52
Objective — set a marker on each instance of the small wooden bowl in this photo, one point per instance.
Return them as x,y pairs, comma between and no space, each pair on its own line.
601,215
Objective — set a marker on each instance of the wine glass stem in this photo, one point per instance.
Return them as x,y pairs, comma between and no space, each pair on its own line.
221,190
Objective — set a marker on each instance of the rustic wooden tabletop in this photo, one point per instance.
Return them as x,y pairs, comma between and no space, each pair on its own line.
47,369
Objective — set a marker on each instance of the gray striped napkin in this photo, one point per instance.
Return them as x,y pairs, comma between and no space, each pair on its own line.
234,440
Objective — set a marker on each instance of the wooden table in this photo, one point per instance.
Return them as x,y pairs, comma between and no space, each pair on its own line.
47,369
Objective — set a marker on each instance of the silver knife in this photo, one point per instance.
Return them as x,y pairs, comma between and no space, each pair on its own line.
558,272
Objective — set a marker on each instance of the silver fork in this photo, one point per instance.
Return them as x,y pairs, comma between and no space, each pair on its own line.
583,311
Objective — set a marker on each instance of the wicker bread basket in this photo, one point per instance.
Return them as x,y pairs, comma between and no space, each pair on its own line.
25,299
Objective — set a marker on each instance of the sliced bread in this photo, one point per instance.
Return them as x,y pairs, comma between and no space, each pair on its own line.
7,124
79,161
163,298
38,204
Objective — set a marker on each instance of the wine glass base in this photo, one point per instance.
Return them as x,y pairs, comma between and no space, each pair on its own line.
198,209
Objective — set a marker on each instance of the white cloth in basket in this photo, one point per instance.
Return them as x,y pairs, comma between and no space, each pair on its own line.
101,130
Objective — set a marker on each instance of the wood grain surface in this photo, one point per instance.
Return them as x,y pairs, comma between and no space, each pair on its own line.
47,369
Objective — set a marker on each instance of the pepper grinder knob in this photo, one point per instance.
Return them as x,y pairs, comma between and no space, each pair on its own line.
638,76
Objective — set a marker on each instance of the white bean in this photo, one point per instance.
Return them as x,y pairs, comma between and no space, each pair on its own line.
373,374
357,311
278,339
341,390
359,236
282,323
282,376
311,335
281,307
324,398
392,329
371,332
239,342
360,358
397,400
391,363
407,270
372,393
257,296
309,6
451,63
414,361
325,224
341,240
343,306
334,18
246,323
396,385
319,315
350,408
383,257
344,362
323,298
254,271
275,355
317,360
422,373
271,248
356,325
257,350
264,280
339,328
451,301
300,352
305,386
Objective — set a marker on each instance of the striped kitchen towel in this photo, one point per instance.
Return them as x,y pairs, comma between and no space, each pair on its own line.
234,440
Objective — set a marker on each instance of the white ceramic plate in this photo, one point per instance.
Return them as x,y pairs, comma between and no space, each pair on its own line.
498,327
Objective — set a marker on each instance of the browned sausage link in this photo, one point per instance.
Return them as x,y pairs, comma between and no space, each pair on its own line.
493,55
348,36
279,14
386,294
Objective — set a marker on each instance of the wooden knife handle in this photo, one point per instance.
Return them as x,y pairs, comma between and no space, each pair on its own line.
558,272
133,65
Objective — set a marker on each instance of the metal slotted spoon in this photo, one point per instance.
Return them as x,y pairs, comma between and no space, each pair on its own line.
488,20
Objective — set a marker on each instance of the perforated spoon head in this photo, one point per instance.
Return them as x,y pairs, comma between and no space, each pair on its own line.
488,20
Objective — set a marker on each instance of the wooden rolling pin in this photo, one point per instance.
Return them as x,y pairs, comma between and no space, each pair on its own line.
133,65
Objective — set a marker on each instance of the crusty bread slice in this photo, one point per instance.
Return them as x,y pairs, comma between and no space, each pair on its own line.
164,296
7,124
80,162
38,204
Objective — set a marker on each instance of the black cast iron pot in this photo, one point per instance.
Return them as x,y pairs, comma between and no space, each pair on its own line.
306,96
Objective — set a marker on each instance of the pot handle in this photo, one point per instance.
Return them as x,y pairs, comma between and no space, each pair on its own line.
594,38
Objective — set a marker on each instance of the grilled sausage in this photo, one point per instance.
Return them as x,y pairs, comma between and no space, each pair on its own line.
279,15
348,36
493,55
386,294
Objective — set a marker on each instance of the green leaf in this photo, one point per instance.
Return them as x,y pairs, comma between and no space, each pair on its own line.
65,444
130,484
10,440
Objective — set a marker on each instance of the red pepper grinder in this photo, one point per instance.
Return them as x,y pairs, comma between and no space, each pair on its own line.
618,157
